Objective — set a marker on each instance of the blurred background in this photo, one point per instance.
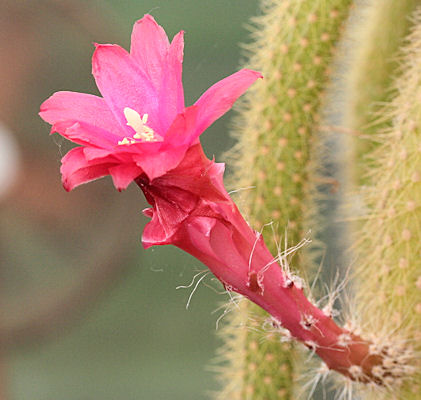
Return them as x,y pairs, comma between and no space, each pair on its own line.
85,313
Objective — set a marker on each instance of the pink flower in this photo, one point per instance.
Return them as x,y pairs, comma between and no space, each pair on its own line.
140,130
140,125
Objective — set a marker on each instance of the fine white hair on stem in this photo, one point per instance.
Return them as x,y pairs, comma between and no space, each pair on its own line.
241,189
347,391
282,256
317,375
228,307
213,288
232,298
193,280
258,236
204,273
333,292
219,319
292,249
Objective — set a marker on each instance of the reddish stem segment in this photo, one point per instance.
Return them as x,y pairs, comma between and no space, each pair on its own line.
192,211
265,283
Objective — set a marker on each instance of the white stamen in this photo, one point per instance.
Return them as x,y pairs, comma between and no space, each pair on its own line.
134,120
138,123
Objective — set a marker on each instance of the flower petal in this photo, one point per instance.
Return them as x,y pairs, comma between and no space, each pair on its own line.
92,153
149,48
85,134
154,234
197,175
156,164
171,92
124,174
123,84
171,206
220,97
76,170
162,63
81,107
182,131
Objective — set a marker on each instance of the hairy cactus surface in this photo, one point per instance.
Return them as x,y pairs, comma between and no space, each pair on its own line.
293,45
383,89
378,37
388,288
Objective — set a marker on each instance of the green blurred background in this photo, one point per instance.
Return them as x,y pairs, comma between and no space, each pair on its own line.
85,312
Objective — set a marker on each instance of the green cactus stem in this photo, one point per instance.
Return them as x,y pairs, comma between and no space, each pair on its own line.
389,267
293,46
382,32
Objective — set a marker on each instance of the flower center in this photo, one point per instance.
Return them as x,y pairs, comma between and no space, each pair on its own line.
138,123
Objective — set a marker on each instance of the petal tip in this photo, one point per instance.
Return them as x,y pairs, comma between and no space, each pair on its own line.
66,186
46,104
95,61
42,108
146,18
146,245
257,74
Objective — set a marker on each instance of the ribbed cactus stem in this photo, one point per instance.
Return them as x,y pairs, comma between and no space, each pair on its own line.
388,164
379,36
293,46
389,272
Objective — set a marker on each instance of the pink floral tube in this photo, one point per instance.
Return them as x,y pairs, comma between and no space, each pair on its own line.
192,210
140,130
